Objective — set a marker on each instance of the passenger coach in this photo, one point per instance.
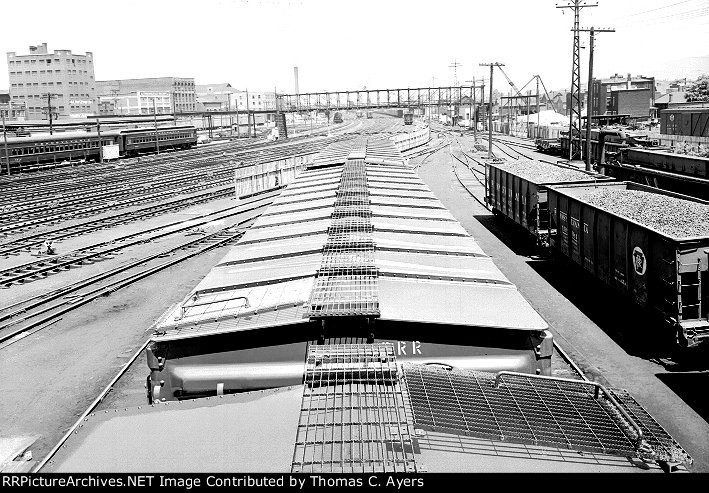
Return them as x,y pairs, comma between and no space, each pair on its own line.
32,153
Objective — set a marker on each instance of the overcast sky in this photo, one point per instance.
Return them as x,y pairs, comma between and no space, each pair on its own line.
340,44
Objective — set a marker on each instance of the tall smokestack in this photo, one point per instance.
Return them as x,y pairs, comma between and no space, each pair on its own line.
295,74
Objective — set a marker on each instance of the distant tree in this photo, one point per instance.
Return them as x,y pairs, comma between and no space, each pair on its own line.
699,91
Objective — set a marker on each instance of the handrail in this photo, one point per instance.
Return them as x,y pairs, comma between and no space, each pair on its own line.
598,388
195,297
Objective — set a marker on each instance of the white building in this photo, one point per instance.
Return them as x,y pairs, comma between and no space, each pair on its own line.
67,77
257,101
140,103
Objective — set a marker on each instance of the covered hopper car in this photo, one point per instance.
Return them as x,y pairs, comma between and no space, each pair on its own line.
357,327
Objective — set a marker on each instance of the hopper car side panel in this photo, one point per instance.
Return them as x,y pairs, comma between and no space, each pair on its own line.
521,200
652,269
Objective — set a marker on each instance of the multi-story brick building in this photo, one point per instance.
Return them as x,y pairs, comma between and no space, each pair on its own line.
636,103
605,103
68,77
181,90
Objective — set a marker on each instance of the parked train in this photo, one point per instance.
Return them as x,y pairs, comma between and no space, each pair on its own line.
357,327
658,259
627,156
408,118
28,153
337,118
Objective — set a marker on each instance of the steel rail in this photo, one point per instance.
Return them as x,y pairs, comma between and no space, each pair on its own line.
77,257
43,299
113,286
192,176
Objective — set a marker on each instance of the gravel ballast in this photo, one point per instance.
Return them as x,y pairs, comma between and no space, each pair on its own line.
674,217
540,172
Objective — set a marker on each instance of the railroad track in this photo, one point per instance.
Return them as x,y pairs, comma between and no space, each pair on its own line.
28,316
107,175
142,192
27,242
50,265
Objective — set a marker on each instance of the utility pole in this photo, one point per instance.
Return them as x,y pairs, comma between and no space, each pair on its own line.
575,106
248,119
100,143
475,113
454,66
4,138
155,118
529,95
489,117
589,99
537,104
50,112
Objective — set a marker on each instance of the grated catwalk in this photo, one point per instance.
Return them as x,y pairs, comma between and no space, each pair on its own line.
346,283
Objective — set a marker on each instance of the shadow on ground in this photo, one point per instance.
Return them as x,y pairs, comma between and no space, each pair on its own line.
688,386
639,331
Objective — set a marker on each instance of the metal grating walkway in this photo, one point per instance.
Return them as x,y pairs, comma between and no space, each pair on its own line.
346,283
536,410
353,414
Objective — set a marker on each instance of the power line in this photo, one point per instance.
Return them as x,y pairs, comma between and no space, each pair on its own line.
673,17
659,8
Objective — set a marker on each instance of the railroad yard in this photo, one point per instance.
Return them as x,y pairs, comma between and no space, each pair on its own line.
209,280
126,252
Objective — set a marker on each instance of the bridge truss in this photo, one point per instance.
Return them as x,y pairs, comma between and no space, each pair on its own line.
416,97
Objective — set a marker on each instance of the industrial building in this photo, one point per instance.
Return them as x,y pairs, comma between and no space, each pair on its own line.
136,103
61,79
253,101
9,110
181,90
629,95
214,97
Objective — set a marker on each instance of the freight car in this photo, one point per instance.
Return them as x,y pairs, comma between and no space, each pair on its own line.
606,143
656,167
660,159
686,123
408,118
659,265
356,249
337,118
649,244
518,191
28,153
356,327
